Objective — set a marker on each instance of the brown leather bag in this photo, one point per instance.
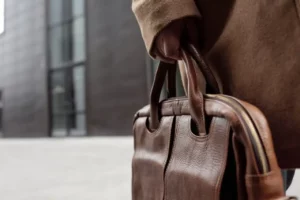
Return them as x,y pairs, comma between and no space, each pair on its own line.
254,46
205,147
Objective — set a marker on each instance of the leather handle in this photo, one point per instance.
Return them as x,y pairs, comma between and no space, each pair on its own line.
214,85
196,98
157,86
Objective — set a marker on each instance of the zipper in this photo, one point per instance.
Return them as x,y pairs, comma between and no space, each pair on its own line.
251,128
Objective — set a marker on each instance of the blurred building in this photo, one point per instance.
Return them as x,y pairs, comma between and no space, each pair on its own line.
70,68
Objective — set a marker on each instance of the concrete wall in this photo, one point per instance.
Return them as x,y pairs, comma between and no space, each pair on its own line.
116,73
23,69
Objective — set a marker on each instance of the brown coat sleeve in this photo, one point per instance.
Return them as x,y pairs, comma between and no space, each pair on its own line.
154,15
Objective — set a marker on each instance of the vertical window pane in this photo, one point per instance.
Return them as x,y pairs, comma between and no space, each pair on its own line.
55,11
58,91
59,11
61,45
77,116
79,88
59,128
67,9
67,43
67,47
56,38
79,40
78,7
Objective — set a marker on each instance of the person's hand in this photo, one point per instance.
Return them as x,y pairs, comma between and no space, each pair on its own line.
168,42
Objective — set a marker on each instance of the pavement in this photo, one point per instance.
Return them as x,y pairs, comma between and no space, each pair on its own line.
70,169
66,169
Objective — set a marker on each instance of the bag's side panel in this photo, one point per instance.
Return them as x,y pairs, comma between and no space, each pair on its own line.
270,185
150,159
197,164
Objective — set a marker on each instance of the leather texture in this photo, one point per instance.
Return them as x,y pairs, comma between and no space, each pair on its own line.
197,164
150,159
230,157
254,46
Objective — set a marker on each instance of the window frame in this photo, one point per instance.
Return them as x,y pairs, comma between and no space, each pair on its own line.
66,67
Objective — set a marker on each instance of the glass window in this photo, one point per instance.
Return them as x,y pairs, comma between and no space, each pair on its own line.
68,99
55,11
78,40
58,92
59,125
59,11
79,88
67,77
67,43
60,46
64,10
78,7
68,92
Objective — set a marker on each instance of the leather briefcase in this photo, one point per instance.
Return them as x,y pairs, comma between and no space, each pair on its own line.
205,146
253,46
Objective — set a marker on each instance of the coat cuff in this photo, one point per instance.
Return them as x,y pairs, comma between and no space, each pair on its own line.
154,15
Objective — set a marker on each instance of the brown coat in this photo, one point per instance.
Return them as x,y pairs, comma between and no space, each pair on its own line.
254,45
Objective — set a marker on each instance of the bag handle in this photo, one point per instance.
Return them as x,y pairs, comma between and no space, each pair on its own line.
214,85
196,99
157,86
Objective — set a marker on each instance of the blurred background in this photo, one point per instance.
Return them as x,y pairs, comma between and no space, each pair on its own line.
69,70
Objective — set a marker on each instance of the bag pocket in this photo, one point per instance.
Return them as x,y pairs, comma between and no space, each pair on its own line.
150,158
197,164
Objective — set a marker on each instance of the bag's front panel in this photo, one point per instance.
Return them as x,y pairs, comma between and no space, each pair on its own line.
197,164
150,159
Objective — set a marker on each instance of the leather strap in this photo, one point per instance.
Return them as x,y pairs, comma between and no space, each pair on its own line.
195,96
157,86
171,83
214,85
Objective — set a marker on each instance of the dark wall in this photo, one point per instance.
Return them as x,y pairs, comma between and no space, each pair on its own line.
116,73
23,69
